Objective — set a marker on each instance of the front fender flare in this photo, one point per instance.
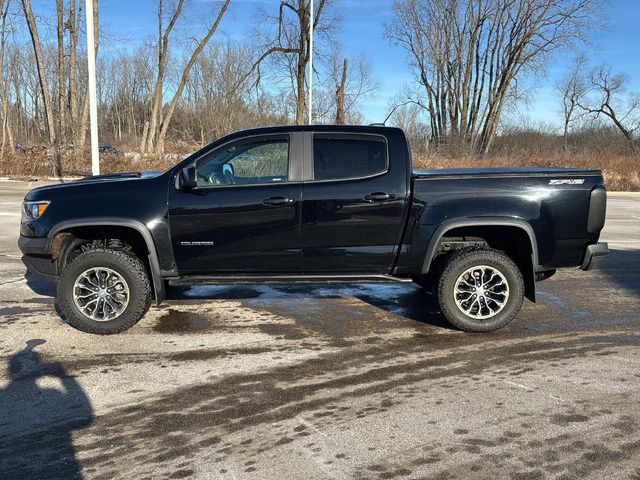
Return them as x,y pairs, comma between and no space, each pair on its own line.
154,264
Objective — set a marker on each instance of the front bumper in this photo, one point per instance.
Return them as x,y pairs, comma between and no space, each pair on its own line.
594,256
33,245
37,259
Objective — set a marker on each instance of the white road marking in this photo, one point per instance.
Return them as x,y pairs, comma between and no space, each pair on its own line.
17,280
621,241
526,388
310,425
519,385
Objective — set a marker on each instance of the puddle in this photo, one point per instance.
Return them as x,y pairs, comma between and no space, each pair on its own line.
176,321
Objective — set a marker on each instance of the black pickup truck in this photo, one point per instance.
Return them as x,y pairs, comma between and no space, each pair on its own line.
311,204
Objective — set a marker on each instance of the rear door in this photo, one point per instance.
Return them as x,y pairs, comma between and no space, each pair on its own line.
353,204
244,215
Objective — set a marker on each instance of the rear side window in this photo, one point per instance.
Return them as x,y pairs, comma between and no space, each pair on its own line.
348,156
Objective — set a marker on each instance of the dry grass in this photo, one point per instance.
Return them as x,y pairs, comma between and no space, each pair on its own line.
23,166
621,172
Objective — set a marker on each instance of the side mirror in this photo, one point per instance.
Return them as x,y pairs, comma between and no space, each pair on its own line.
227,169
188,178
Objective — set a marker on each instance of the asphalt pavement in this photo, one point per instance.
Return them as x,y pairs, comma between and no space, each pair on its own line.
317,381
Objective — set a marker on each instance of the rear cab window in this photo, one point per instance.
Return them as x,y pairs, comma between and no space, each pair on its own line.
348,156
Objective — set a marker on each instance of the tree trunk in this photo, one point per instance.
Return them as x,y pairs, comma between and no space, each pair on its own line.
4,97
155,120
73,75
166,120
44,86
62,110
340,120
61,123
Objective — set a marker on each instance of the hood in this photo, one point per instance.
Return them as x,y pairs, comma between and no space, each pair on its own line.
119,176
36,193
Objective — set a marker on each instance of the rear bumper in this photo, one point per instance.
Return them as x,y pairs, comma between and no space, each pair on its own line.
594,256
36,259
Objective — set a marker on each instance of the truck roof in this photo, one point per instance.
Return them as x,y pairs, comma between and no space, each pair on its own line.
320,128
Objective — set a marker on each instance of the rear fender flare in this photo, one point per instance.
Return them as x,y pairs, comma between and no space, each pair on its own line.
448,225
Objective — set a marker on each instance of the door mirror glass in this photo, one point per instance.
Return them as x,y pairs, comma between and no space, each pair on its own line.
227,169
188,178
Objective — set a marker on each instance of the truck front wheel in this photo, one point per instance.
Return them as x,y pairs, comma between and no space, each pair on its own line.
480,290
104,291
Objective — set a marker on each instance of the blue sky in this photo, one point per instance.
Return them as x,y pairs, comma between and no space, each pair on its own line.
362,30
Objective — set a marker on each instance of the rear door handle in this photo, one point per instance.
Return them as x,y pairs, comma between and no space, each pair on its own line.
379,197
277,201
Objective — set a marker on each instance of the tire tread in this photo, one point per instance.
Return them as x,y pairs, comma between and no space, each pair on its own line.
450,310
140,307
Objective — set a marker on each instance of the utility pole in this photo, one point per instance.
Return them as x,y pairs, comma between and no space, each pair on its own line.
311,64
93,106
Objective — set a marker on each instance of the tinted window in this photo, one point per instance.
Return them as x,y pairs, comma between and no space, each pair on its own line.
245,163
343,157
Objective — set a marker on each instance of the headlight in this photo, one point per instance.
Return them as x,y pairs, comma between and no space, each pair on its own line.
33,210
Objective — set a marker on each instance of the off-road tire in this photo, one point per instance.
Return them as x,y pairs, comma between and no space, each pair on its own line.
128,267
455,265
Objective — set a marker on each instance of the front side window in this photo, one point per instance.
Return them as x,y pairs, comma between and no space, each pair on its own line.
342,157
247,162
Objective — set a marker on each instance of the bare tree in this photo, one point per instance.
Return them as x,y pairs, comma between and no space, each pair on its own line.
341,86
572,87
61,78
606,97
351,83
40,65
219,91
408,117
160,119
291,44
468,55
4,81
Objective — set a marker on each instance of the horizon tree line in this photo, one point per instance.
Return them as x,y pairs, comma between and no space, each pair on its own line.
469,59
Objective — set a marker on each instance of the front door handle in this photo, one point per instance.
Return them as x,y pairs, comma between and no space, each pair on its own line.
277,201
379,197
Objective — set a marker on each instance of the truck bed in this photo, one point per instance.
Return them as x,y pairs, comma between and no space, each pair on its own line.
503,171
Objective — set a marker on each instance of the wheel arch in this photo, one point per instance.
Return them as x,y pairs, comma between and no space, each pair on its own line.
528,265
117,223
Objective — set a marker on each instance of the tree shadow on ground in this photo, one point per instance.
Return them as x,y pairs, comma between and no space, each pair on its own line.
623,268
38,420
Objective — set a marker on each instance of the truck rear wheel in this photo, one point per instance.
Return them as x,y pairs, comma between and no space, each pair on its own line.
480,290
104,291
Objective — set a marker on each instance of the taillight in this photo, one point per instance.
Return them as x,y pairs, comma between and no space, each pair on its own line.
597,210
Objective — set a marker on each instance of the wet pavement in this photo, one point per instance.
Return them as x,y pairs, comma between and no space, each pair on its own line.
322,381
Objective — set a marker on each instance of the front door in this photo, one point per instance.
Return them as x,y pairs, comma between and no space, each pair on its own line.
244,214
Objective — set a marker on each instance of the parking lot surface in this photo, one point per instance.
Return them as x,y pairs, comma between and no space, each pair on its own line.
342,381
